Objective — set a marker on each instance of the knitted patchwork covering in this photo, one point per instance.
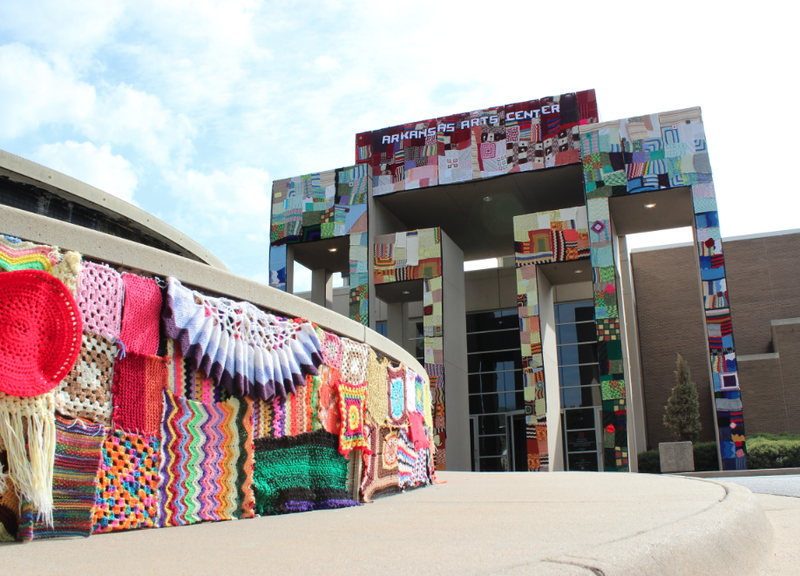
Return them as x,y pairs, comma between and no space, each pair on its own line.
99,298
127,482
28,431
184,380
352,398
9,502
86,391
290,416
18,255
355,356
377,388
329,416
331,350
300,473
250,352
380,465
77,458
138,399
411,465
396,387
204,457
141,314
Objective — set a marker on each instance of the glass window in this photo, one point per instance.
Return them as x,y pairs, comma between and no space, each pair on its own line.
485,341
581,397
494,361
580,419
574,312
574,333
585,375
497,320
577,354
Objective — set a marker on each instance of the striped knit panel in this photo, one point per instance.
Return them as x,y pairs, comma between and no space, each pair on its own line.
202,465
78,452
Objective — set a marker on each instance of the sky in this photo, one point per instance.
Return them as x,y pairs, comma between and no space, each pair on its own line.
190,110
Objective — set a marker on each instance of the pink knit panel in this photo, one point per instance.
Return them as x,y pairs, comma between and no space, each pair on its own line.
100,300
141,315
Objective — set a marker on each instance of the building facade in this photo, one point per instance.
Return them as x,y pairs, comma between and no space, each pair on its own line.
534,365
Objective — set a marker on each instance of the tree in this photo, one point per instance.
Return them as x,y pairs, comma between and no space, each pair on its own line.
682,410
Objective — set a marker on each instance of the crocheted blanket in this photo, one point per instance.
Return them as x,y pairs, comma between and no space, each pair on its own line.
300,473
78,451
205,455
248,351
127,482
86,391
185,381
141,315
99,298
18,255
138,399
290,416
380,467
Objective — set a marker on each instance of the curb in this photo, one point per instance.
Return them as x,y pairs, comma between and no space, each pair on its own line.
733,536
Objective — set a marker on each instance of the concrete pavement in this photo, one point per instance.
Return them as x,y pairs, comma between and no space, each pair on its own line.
565,523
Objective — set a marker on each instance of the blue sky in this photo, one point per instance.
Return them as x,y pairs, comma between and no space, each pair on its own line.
191,109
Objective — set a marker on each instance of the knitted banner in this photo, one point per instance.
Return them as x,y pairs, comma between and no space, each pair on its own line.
380,466
127,482
138,398
28,431
99,298
86,391
141,315
248,351
300,473
77,458
204,461
355,356
352,398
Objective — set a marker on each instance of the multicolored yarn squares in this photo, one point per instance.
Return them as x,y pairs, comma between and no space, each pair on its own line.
77,457
204,460
352,400
127,483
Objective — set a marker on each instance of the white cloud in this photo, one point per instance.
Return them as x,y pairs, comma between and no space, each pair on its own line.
326,64
124,115
95,166
76,28
36,92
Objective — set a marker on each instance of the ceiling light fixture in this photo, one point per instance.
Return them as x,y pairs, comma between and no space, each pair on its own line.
651,205
487,198
406,292
332,249
579,271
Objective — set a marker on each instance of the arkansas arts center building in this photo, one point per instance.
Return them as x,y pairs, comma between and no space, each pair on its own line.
537,364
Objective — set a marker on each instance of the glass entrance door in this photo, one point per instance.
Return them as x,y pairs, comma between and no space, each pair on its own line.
582,439
498,442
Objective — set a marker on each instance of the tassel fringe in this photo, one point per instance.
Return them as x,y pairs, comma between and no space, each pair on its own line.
28,430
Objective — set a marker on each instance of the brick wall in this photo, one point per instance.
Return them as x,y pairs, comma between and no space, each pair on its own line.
670,316
763,285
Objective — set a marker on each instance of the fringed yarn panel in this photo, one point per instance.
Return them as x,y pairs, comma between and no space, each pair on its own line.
203,461
138,398
77,459
248,351
300,473
86,391
127,483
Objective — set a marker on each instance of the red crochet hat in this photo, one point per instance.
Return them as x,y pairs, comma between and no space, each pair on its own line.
40,332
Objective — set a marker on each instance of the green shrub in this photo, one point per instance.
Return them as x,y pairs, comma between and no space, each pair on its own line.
649,462
765,452
705,456
705,459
